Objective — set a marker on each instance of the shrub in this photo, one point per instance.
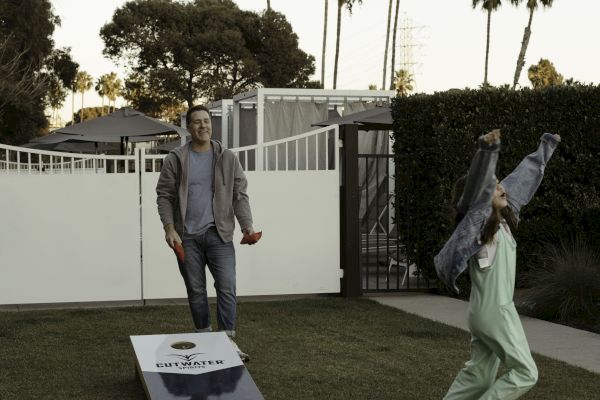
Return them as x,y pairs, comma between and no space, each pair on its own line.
434,142
566,284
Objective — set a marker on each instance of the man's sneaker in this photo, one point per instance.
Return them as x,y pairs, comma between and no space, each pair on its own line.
243,356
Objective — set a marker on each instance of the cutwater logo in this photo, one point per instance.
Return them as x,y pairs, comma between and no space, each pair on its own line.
187,361
189,357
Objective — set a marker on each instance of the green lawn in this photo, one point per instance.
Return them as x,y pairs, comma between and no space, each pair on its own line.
324,348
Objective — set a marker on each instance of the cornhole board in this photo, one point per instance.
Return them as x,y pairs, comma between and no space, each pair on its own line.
192,365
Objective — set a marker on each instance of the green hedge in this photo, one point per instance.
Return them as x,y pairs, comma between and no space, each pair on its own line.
435,141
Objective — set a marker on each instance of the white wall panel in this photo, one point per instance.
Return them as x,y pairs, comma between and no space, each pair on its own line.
298,212
69,238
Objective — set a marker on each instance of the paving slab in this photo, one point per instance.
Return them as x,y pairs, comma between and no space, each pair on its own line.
573,346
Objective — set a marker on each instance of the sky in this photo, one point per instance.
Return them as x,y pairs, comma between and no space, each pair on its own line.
448,41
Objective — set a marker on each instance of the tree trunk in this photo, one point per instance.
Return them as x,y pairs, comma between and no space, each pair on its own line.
81,111
487,47
392,72
73,105
190,85
337,44
524,44
324,46
269,5
102,112
387,44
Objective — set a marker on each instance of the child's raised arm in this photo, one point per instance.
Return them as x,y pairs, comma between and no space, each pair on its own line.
524,181
481,179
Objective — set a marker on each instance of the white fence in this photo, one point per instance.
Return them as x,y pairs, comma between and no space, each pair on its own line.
86,228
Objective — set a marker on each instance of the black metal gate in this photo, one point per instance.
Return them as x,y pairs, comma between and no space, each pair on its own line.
379,262
384,263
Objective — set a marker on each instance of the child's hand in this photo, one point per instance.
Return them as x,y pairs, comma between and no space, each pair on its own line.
492,136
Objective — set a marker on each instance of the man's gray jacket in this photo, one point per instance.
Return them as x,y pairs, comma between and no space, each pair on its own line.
229,191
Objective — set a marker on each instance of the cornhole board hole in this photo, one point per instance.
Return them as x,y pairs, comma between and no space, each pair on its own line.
192,366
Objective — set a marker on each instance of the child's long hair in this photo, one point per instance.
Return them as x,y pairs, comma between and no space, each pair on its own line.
493,222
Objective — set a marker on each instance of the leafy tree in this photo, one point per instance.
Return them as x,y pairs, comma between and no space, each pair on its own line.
404,82
89,113
17,86
60,64
544,74
203,49
61,71
26,66
532,5
56,95
83,83
489,6
282,63
146,96
341,3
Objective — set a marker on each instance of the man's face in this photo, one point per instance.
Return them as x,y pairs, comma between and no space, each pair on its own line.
200,127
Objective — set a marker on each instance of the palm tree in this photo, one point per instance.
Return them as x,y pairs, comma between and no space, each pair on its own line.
404,82
83,83
101,88
324,43
114,87
268,5
392,84
489,6
387,44
348,4
532,5
56,96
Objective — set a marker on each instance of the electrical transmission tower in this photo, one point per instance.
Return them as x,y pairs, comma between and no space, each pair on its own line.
410,41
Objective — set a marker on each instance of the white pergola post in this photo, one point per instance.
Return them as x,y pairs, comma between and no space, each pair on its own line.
236,124
260,132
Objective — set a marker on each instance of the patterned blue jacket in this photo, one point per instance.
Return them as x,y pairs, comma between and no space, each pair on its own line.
476,202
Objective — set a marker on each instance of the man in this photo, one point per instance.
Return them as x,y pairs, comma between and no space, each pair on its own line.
200,189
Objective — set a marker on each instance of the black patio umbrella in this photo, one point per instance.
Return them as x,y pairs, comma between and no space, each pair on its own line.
377,118
121,126
170,145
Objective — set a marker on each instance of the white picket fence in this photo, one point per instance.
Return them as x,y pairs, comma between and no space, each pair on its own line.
85,228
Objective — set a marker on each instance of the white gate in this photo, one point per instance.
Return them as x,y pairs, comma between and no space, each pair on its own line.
86,228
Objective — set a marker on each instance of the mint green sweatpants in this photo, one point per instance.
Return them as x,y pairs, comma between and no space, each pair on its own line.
497,333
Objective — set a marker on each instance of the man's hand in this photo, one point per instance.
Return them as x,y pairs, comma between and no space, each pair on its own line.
171,235
250,237
491,137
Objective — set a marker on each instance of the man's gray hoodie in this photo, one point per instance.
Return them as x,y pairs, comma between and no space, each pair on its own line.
229,191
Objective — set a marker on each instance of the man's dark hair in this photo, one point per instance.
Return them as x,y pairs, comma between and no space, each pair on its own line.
188,114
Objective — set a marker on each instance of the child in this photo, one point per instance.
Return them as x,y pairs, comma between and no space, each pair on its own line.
487,212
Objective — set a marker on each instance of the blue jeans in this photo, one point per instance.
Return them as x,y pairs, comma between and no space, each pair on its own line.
200,251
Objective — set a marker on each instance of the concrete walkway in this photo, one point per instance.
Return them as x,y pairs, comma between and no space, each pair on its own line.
573,346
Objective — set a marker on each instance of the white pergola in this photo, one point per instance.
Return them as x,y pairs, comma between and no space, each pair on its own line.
256,99
222,108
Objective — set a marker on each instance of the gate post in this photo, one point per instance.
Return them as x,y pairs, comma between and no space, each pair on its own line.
349,225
